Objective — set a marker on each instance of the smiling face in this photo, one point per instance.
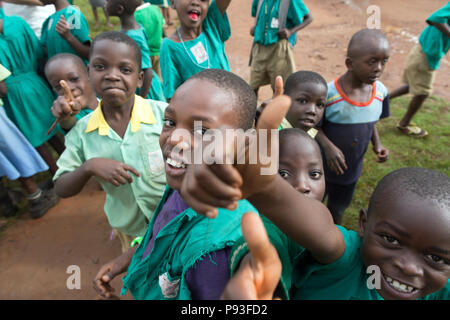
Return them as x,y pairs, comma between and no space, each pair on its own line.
301,165
195,100
74,74
408,238
191,12
308,105
114,72
368,61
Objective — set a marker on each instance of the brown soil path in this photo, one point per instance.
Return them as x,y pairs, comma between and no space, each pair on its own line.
35,254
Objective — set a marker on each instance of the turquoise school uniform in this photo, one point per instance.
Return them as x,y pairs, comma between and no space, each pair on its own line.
266,30
156,89
181,60
185,240
29,98
434,43
344,279
54,42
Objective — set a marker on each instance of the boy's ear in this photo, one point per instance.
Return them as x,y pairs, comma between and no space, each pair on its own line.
120,9
362,222
140,79
348,63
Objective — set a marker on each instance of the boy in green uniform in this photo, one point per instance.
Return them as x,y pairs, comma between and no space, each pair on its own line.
124,9
65,31
117,143
185,255
423,61
275,34
151,19
198,44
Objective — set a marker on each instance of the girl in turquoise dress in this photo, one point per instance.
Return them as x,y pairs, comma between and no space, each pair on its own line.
29,98
198,44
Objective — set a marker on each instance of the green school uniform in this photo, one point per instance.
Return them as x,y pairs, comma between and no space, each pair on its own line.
344,279
434,43
186,239
266,30
287,250
54,42
180,61
156,89
152,20
29,98
129,206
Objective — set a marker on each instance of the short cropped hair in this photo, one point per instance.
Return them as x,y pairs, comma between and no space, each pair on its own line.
243,95
299,77
121,37
426,184
362,40
129,6
65,56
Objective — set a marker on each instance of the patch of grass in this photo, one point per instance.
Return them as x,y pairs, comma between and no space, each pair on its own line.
85,7
431,152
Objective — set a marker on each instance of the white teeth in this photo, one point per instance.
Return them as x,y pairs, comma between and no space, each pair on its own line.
175,163
399,286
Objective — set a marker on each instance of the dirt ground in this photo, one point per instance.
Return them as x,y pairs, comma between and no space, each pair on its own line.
35,254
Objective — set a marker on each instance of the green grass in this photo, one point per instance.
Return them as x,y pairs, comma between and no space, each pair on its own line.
431,152
87,12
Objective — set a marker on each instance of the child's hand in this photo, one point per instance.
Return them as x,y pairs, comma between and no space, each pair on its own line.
278,92
206,187
108,272
252,31
65,106
335,159
112,171
382,153
63,27
284,33
260,270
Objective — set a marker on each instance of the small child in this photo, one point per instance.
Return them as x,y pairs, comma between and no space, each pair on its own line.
198,43
118,138
275,34
99,4
151,19
423,61
65,31
300,164
71,69
19,160
308,92
355,102
124,9
29,98
185,255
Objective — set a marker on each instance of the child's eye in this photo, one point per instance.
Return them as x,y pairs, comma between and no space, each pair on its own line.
99,67
436,259
284,174
200,131
316,174
385,61
168,123
74,79
126,70
390,239
321,105
302,100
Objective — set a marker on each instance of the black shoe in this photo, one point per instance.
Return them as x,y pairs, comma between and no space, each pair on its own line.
40,206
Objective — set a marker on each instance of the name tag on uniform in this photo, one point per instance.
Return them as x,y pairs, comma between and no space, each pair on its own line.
274,24
156,161
199,52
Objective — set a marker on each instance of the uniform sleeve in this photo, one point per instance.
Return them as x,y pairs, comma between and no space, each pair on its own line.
217,22
297,11
170,75
386,106
254,7
73,156
81,27
44,31
440,16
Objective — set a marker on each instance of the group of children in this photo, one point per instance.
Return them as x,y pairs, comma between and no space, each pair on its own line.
180,223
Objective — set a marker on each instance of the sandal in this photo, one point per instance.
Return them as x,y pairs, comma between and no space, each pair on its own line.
413,130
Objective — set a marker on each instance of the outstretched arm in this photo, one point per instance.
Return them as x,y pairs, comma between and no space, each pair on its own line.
442,27
223,5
